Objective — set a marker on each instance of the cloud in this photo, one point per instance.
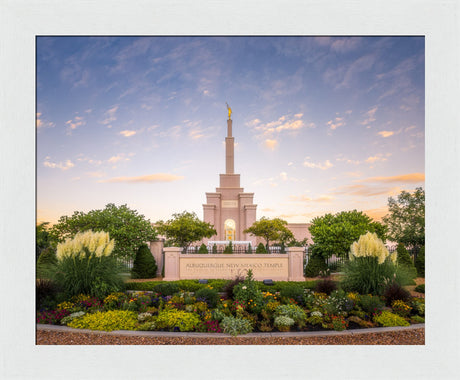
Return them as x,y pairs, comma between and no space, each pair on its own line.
304,198
348,161
152,178
127,133
284,123
410,128
370,116
377,213
61,165
337,122
41,124
267,209
271,144
377,158
408,178
74,123
196,134
110,116
119,157
363,190
386,133
97,174
323,166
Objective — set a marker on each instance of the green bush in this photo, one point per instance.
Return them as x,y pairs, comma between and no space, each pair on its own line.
388,319
420,262
47,294
236,326
283,322
292,311
261,248
420,288
229,248
144,265
46,263
86,265
173,318
166,288
106,321
248,292
249,248
210,296
365,275
403,256
203,249
293,291
214,248
315,265
371,304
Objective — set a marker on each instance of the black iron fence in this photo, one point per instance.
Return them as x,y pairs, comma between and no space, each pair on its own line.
235,250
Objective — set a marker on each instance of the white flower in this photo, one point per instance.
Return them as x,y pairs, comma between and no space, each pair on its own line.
244,287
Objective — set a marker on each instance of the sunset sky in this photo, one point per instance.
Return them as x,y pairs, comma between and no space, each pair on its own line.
321,124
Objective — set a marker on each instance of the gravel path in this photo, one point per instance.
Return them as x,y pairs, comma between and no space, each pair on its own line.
403,337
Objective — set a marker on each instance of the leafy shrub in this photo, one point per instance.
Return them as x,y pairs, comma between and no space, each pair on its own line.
394,292
417,319
114,300
218,284
209,327
261,248
315,318
401,308
371,304
51,317
249,248
177,320
166,288
66,320
315,265
283,323
86,265
214,248
203,249
388,319
106,321
325,286
236,326
420,262
147,326
47,293
420,288
248,292
210,296
229,248
339,323
229,287
403,257
144,265
295,312
293,291
338,303
418,306
46,262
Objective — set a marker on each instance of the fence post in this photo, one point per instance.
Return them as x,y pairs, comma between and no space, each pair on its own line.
172,257
156,247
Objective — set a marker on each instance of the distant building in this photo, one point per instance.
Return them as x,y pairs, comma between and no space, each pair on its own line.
230,210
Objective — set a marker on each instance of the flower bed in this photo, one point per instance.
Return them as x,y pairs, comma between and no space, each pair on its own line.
249,309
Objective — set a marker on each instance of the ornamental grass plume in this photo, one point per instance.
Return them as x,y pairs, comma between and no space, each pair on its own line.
369,245
97,243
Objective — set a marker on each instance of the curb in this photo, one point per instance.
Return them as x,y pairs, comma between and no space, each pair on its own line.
166,334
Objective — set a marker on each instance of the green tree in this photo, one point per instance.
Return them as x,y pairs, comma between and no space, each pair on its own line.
406,218
43,239
184,229
334,234
270,230
144,265
129,229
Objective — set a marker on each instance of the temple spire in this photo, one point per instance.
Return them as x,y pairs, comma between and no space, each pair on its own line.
229,150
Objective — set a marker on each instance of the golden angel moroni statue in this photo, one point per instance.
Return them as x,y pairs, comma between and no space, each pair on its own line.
229,111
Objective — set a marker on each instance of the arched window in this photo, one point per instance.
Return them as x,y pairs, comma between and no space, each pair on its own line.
229,226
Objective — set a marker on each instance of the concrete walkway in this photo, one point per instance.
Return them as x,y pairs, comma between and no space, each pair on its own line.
374,330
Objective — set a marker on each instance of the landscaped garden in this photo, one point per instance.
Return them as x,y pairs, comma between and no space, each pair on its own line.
86,293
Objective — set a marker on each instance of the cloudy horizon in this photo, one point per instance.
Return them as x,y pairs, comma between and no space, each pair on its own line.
321,124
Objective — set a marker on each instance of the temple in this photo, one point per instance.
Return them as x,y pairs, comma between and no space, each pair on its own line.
229,208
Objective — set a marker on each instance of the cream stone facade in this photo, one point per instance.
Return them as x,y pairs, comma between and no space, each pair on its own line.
229,209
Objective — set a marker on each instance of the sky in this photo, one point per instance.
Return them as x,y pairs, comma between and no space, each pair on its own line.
321,124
